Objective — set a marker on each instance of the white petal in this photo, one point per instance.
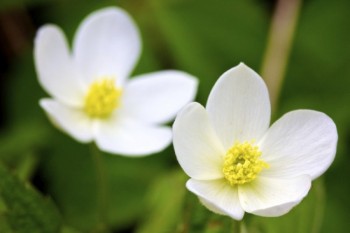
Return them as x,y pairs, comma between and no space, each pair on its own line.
301,142
72,120
131,138
210,206
157,97
272,197
239,106
197,148
55,68
107,43
218,196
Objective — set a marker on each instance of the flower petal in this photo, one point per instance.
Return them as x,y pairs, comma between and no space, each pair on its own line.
107,43
302,142
271,197
217,196
72,120
55,68
239,106
157,97
197,148
131,138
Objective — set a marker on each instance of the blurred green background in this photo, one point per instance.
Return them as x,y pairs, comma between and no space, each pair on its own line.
48,181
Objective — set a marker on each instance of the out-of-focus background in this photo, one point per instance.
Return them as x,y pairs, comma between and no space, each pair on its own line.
48,181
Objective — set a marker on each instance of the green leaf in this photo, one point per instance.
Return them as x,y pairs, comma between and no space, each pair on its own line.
21,138
4,226
68,229
206,38
26,210
71,176
165,204
19,146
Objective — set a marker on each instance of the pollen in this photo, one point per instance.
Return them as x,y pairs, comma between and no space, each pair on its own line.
242,163
102,99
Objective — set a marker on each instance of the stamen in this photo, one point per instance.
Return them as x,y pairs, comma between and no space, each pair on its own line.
102,98
242,164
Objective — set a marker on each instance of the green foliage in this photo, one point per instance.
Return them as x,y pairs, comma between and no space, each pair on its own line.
18,148
165,204
204,38
207,39
172,209
26,210
70,168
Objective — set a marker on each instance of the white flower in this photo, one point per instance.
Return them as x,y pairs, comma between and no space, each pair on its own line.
236,162
93,100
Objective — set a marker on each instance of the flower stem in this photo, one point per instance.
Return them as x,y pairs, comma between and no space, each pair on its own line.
279,43
236,226
102,193
321,199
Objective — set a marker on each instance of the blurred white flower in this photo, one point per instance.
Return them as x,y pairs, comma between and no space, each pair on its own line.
92,98
236,162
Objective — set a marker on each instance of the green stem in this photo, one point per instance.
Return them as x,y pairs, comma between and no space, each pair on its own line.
236,226
320,207
279,43
102,194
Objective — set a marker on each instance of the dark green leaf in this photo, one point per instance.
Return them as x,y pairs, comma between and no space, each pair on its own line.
26,210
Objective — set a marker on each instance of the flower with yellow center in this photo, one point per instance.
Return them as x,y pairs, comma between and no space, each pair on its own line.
92,96
237,163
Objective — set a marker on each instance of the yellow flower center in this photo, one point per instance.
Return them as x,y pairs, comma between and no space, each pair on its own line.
102,98
242,164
